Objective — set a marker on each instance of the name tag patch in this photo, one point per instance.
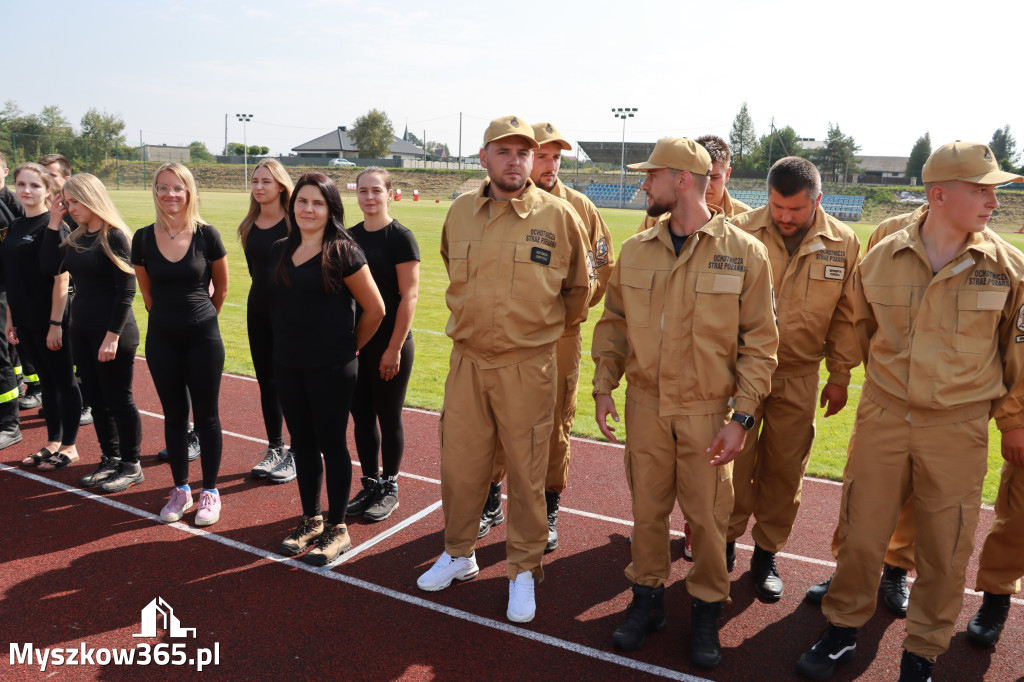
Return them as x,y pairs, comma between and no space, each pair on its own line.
834,272
539,255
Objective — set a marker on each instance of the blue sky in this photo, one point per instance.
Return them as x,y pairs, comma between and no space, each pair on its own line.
886,72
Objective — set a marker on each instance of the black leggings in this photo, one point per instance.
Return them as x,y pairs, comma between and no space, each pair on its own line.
62,402
261,345
107,386
188,361
377,408
316,403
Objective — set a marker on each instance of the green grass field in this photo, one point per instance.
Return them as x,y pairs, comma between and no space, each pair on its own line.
225,209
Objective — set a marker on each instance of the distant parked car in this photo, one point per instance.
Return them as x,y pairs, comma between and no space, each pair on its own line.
344,163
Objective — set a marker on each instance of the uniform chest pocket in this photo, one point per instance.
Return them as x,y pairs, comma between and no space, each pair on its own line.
977,319
891,306
458,262
636,296
824,286
537,273
716,307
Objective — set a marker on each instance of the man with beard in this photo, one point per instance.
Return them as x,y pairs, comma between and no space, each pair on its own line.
547,160
813,257
688,320
518,277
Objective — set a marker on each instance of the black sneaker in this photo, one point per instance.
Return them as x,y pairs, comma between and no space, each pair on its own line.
492,515
705,649
914,668
767,582
106,469
10,436
895,593
730,556
552,500
86,417
816,593
193,449
127,475
837,645
385,503
646,614
365,497
987,624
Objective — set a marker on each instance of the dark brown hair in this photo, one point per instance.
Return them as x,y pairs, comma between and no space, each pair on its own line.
793,174
717,148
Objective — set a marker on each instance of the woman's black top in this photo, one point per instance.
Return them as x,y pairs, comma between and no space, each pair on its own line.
312,328
180,291
257,257
29,286
385,248
103,292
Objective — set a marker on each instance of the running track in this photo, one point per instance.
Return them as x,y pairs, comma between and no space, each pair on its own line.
77,567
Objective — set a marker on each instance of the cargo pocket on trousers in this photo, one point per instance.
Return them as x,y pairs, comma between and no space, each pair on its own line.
844,511
541,439
572,381
1006,502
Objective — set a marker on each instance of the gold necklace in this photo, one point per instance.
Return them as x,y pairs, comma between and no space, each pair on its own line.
172,236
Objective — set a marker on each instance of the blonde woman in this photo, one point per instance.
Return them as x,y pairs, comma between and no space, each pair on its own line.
104,335
265,223
37,315
176,258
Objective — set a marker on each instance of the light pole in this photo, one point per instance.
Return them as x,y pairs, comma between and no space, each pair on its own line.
245,118
623,113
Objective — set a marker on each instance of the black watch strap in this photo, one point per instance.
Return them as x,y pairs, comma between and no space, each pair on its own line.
745,420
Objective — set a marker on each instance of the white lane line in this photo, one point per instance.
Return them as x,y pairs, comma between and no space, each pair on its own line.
514,630
380,537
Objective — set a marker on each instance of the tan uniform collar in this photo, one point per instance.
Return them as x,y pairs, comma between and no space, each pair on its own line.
522,204
558,190
982,242
726,207
714,227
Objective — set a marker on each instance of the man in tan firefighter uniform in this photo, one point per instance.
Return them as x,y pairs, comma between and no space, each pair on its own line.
1002,557
518,273
688,320
899,557
939,310
717,194
813,257
546,162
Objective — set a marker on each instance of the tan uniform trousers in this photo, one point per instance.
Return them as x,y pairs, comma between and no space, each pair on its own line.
1002,554
769,473
511,404
940,465
666,460
900,552
567,352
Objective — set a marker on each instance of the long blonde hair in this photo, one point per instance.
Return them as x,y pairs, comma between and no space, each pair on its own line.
279,174
192,217
90,192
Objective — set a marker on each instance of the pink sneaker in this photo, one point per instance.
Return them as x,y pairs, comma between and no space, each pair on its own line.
209,508
179,502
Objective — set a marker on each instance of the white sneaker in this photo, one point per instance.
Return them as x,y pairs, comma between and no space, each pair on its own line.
446,569
522,607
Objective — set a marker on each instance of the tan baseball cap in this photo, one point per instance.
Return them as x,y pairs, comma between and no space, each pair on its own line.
967,161
678,153
545,132
507,126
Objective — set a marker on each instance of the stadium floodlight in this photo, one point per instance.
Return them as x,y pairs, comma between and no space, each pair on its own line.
623,113
245,118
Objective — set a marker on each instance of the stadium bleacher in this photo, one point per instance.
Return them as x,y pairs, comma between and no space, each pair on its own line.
604,194
842,206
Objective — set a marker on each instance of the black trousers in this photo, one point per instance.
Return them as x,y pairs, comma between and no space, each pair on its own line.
62,402
316,403
8,379
188,361
107,386
261,345
377,408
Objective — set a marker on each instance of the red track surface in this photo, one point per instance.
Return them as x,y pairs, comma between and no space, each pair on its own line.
79,568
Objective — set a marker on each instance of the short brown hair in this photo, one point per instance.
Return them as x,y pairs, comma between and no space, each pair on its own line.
717,148
65,165
792,174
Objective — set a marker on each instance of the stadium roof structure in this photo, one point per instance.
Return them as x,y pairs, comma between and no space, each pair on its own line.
338,141
611,152
883,164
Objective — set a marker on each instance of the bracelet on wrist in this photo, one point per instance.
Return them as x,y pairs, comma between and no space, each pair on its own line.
55,323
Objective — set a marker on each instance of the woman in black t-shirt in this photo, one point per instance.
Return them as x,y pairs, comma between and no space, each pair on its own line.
265,223
37,316
175,260
385,362
317,272
104,336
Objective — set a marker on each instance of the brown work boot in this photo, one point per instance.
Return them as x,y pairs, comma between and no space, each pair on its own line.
309,529
331,544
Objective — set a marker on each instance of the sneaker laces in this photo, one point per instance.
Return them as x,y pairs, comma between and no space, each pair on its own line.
208,500
178,497
306,526
328,536
269,458
897,578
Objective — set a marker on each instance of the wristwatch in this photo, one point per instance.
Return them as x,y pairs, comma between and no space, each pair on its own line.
745,420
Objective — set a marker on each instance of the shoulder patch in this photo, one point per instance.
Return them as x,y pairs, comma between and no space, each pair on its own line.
601,252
